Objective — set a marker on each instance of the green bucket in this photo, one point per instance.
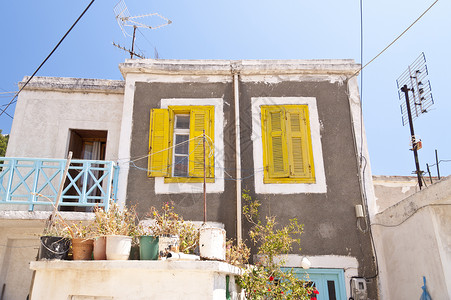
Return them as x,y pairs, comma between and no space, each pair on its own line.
148,247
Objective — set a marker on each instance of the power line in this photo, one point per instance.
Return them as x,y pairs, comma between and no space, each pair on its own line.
394,41
45,60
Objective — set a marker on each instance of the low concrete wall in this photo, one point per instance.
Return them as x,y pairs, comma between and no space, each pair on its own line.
133,280
413,239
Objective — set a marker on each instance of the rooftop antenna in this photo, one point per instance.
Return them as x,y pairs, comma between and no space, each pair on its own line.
414,81
126,21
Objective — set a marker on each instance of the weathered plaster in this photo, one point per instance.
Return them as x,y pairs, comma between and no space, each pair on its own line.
389,190
45,115
66,84
361,146
413,240
245,67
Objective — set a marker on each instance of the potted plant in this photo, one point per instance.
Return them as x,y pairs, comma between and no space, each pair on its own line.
173,232
118,226
148,243
267,279
82,243
54,243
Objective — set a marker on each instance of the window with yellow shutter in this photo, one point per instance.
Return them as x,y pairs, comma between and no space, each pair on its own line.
287,145
176,149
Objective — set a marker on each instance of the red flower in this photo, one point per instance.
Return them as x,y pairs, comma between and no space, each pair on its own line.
269,290
281,292
271,278
315,292
313,298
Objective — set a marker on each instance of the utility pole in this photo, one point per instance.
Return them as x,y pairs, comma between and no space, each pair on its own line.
413,140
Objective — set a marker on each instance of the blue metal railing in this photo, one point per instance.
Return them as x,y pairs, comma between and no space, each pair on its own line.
36,181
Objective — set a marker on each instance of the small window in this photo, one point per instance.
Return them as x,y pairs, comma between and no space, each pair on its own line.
181,146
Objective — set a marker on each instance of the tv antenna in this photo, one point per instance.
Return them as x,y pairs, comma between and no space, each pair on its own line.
414,81
127,22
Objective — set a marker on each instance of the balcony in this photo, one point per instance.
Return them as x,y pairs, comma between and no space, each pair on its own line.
28,183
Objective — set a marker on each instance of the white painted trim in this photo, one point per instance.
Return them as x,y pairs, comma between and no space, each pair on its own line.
274,79
349,264
215,187
246,67
126,137
359,134
288,188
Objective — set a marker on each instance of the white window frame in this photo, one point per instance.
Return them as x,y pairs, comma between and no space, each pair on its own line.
179,131
197,187
287,188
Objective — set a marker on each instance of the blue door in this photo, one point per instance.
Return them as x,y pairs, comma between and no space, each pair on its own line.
330,283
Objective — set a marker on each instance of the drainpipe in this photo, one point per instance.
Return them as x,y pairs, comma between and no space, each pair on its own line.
235,73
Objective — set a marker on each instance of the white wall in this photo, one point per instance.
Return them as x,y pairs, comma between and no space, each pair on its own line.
133,280
45,114
413,239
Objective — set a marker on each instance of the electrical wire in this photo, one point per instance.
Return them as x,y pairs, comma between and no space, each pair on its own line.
440,161
45,60
211,154
361,82
394,41
362,159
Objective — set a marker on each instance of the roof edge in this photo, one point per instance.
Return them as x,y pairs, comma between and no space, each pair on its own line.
66,84
243,67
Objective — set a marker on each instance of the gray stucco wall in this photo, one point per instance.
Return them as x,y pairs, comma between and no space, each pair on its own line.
329,218
140,189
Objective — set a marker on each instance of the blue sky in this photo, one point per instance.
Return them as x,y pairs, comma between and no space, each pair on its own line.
250,29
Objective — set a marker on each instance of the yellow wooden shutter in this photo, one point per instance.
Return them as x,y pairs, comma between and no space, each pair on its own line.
274,130
201,117
159,138
299,143
287,147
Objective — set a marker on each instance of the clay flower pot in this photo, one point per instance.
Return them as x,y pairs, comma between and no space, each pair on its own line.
82,248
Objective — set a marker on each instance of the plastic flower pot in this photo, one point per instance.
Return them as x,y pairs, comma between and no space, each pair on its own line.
118,247
100,248
148,247
53,247
82,249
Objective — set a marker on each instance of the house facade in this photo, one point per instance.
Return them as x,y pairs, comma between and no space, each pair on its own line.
287,132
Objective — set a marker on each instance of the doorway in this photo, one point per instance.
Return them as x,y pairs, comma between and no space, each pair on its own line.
85,145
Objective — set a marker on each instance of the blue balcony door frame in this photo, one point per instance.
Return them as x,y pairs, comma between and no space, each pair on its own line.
330,283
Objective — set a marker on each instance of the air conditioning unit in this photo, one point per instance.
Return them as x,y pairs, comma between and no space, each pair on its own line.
358,289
